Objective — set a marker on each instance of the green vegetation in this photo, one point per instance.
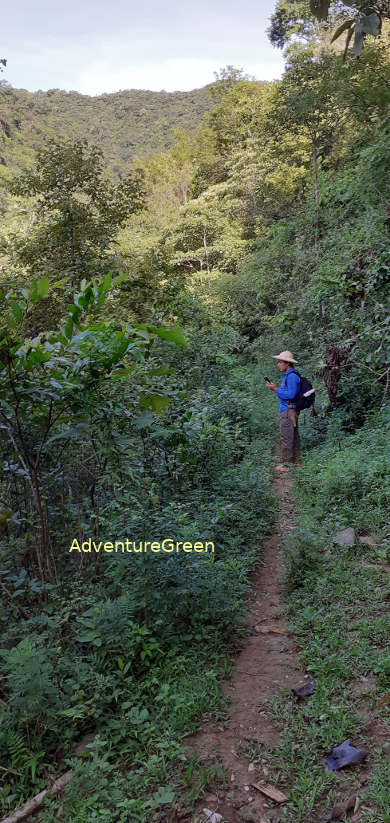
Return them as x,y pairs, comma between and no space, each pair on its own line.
145,281
76,213
120,646
338,608
300,19
123,124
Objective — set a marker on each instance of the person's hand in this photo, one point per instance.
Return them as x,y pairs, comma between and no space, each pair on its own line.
271,386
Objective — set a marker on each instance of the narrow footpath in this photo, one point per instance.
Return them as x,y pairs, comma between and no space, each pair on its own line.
268,661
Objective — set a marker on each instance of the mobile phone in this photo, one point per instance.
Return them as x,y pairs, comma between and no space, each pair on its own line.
267,380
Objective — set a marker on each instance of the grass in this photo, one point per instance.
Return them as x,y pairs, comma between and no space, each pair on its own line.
338,608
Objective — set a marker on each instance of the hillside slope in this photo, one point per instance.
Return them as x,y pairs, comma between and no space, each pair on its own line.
123,124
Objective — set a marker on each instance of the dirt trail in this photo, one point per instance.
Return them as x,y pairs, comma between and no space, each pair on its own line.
267,662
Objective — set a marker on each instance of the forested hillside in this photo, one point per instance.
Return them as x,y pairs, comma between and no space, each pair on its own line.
146,282
123,124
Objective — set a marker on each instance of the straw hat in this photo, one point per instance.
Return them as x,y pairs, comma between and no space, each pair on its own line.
285,355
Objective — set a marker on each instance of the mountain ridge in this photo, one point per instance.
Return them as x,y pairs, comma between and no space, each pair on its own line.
124,124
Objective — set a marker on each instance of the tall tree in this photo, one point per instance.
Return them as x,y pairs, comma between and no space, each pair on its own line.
304,20
291,19
78,212
225,79
306,103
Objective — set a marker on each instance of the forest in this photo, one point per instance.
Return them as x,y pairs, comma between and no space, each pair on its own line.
157,250
121,124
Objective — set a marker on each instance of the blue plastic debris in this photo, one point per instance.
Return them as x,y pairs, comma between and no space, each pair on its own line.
344,755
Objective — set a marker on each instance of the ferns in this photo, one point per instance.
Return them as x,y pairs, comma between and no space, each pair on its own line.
17,750
20,760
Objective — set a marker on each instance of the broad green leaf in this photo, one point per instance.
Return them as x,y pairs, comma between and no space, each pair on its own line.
119,279
123,374
37,357
76,712
16,310
11,321
106,282
161,370
33,293
158,402
69,328
74,311
43,286
89,638
122,349
173,335
164,796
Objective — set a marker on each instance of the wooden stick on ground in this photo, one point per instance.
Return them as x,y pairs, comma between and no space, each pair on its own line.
34,804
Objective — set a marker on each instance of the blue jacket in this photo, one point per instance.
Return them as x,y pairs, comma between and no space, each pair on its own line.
289,388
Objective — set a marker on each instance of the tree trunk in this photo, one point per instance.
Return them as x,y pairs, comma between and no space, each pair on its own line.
332,373
43,549
206,251
315,178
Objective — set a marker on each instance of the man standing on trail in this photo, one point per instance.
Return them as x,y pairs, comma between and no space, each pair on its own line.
289,389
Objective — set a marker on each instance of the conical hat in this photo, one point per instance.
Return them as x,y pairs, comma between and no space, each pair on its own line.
285,355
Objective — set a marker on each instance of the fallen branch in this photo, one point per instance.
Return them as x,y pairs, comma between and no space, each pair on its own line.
10,771
34,804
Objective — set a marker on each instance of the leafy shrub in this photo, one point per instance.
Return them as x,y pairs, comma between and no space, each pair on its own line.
302,557
30,683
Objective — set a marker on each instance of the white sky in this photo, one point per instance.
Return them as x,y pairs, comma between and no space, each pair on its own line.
93,47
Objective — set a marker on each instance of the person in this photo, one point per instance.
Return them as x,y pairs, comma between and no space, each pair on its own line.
289,388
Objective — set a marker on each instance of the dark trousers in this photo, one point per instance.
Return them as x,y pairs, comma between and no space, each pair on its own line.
289,436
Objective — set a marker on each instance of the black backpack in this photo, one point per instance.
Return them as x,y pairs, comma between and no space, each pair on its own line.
302,402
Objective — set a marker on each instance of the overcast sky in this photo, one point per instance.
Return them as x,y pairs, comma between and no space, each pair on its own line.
94,47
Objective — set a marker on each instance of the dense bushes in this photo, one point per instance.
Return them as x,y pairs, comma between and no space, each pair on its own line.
122,645
331,294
